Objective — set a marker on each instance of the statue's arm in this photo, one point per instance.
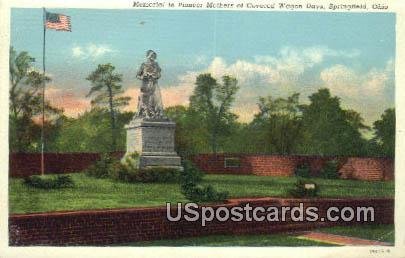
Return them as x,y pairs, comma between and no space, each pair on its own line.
139,74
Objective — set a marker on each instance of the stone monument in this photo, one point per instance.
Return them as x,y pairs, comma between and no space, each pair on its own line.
150,133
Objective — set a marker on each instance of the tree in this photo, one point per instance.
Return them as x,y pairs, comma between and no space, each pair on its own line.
190,137
91,132
278,124
20,64
26,104
211,101
105,85
328,129
384,130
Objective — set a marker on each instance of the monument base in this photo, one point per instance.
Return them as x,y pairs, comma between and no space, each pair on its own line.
153,140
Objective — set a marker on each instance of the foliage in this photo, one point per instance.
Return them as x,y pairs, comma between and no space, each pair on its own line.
211,102
384,130
303,171
105,85
328,129
282,125
207,193
90,132
49,182
103,167
191,176
278,124
304,188
26,105
147,175
128,171
330,170
191,137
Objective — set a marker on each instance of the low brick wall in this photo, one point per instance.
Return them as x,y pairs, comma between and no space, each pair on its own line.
368,169
372,169
106,227
27,164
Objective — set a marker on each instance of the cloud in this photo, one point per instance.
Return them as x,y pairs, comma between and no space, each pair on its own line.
278,75
69,101
347,82
200,59
369,93
91,51
292,69
297,60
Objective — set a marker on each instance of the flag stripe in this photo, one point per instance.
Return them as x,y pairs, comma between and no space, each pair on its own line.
62,23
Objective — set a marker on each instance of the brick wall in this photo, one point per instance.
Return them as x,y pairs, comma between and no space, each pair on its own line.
214,164
27,164
275,165
271,165
106,227
368,169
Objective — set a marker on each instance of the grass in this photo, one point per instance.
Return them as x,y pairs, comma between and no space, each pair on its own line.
372,232
384,233
231,240
91,193
258,186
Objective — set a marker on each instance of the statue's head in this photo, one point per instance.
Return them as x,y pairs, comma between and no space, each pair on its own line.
150,54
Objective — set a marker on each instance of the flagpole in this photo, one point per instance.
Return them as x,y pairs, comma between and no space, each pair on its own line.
43,97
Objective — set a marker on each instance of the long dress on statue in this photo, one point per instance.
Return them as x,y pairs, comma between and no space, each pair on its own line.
150,101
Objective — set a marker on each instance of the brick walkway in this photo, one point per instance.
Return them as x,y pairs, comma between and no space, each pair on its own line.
338,240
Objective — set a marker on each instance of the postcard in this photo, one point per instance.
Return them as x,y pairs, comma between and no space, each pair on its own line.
202,128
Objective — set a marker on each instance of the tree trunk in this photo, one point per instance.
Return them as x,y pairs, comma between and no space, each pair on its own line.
112,114
214,142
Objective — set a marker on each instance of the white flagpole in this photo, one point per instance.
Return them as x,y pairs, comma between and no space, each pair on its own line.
43,98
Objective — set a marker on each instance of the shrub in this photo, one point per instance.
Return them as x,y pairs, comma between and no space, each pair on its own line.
49,182
147,175
191,173
304,188
190,177
103,167
131,161
303,171
203,194
128,171
330,170
159,174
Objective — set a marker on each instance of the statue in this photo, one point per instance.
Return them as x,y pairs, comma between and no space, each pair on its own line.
151,133
150,101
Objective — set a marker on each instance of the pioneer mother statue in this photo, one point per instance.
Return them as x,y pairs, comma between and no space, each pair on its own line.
149,101
150,134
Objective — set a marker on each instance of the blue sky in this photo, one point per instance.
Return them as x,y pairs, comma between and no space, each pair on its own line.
274,53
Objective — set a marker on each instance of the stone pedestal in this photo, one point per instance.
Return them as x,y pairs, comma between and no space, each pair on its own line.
154,141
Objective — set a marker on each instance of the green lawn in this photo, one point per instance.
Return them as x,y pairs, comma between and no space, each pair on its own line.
249,186
230,240
371,232
91,193
384,233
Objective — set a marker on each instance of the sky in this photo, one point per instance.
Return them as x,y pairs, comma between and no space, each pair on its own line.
270,53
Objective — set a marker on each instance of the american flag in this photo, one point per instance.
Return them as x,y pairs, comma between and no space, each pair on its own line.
58,21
